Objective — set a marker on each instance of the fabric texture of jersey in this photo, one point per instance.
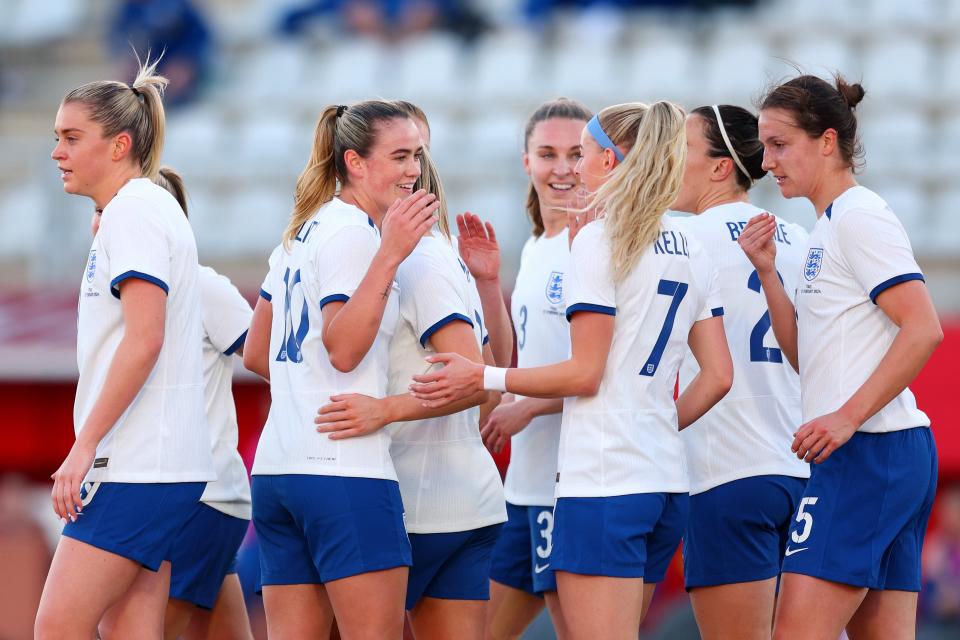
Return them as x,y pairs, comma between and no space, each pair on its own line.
630,536
521,558
543,337
326,263
864,513
857,250
203,554
451,566
136,520
624,439
162,436
226,318
737,531
357,527
447,477
754,423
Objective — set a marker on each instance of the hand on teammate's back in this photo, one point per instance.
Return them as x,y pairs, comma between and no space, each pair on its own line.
405,223
757,243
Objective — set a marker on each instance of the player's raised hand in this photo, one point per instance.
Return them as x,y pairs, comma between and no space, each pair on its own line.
405,223
757,243
478,246
67,502
458,379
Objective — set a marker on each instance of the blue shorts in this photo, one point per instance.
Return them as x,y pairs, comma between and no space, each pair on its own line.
863,515
203,554
521,558
135,520
737,531
315,529
632,536
451,566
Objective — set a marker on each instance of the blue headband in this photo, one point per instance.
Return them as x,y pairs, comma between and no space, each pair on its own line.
602,138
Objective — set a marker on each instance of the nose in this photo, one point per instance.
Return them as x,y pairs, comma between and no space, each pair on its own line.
768,163
57,153
564,167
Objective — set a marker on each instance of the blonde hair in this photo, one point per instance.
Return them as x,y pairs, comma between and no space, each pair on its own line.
640,189
169,179
135,108
429,179
563,108
339,128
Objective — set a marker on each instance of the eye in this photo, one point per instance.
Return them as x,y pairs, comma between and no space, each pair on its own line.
547,156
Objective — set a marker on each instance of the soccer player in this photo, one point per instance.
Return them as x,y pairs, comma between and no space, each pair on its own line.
745,483
863,329
142,455
451,489
521,579
640,290
328,513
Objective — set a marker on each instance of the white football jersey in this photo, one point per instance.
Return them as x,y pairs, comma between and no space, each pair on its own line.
538,309
226,318
326,263
624,439
857,250
749,432
162,436
448,480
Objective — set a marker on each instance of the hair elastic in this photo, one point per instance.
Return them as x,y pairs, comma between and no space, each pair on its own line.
340,109
726,141
596,130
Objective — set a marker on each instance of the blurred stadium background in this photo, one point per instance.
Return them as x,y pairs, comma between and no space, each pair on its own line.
250,77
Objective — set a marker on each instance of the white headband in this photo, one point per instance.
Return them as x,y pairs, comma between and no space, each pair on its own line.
726,140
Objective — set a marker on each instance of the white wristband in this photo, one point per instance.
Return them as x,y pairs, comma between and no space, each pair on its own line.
494,379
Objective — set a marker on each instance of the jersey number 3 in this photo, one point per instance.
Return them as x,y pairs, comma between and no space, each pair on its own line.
675,290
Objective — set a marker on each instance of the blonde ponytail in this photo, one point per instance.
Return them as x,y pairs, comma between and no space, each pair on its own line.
339,128
317,183
429,181
169,179
641,188
135,108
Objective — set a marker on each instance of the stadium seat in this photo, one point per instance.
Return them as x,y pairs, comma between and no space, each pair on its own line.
256,216
897,142
33,23
664,67
894,14
431,68
507,67
899,68
348,70
822,56
22,220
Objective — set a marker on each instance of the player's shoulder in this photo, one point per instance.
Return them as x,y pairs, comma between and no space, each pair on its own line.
858,203
433,255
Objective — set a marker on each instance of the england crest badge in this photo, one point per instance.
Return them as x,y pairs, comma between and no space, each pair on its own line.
814,261
555,287
92,265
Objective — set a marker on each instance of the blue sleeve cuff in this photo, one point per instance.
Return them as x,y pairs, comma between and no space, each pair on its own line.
592,308
115,288
336,297
236,345
486,340
886,284
716,312
442,323
266,296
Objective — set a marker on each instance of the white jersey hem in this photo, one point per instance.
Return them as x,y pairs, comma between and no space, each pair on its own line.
679,487
151,477
239,510
344,472
457,527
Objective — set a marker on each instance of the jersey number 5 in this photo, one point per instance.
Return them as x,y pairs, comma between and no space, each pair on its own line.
758,352
676,290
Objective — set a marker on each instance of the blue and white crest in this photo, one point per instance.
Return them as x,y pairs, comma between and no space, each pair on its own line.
92,265
555,287
814,261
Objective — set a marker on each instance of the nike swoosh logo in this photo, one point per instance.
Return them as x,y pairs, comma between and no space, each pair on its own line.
789,552
538,569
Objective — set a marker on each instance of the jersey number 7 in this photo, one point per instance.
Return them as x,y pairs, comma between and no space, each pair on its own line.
676,290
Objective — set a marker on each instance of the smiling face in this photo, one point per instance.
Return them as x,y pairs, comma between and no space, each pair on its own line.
392,166
795,160
83,155
553,150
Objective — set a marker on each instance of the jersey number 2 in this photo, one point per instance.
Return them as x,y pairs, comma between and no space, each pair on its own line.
676,290
758,352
